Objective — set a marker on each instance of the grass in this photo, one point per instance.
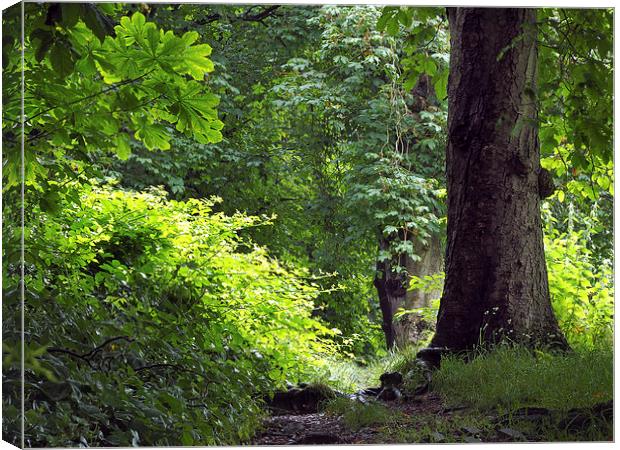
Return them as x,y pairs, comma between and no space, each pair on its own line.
348,376
511,377
432,428
358,415
492,384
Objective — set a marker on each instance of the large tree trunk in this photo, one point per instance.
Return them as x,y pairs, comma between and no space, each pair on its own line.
496,283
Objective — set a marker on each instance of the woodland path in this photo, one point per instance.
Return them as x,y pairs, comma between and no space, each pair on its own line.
321,428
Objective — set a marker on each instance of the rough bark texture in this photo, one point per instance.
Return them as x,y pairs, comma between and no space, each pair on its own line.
496,279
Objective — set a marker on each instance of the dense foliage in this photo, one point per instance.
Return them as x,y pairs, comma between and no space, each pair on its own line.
206,191
148,316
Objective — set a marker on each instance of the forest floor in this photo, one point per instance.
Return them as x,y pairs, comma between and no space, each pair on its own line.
509,395
327,428
425,419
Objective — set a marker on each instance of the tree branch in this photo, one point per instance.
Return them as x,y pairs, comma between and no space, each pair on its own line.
87,356
245,17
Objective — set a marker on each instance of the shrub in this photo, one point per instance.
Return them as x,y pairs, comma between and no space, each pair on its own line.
581,293
152,322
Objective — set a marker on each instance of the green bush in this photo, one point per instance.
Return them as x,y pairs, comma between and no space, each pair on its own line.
152,322
582,293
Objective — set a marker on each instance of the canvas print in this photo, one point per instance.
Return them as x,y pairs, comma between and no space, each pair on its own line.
253,224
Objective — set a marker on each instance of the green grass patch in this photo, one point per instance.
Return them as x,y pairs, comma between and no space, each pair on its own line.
432,428
358,415
349,376
509,378
346,375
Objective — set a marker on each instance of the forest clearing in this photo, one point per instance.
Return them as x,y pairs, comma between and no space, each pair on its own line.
306,225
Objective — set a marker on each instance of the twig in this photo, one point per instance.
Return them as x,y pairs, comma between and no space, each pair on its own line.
87,356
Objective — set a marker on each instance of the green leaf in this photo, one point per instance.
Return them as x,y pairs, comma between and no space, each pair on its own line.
99,23
411,81
61,60
393,26
71,13
154,136
196,61
123,149
561,196
43,47
441,84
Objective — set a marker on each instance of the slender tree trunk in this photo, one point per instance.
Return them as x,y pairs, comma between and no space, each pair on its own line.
392,289
496,283
414,327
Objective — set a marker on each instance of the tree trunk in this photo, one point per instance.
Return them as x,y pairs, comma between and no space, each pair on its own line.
392,289
496,283
392,284
414,327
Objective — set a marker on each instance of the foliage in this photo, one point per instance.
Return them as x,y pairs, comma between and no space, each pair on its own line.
148,317
152,321
425,38
509,378
582,292
576,85
427,283
91,86
374,161
332,161
583,201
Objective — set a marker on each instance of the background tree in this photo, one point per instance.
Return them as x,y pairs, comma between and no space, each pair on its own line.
329,142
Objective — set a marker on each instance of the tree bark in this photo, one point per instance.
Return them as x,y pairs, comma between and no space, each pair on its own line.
392,289
412,328
496,284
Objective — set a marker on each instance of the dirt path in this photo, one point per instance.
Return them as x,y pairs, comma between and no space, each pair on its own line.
321,428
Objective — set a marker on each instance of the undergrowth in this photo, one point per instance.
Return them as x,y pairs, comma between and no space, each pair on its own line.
485,393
